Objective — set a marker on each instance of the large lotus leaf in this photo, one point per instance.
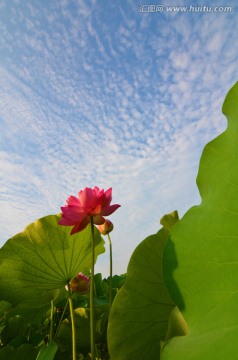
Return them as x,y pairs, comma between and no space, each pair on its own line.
201,257
42,259
139,316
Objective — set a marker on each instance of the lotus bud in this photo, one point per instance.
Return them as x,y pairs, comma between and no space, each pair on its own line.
80,284
106,227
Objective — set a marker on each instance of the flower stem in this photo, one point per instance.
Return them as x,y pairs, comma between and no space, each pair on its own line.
51,319
92,324
73,328
62,316
110,279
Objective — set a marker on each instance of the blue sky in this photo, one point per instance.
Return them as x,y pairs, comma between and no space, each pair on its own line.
100,93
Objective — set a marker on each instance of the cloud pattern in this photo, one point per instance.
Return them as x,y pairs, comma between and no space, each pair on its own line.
98,93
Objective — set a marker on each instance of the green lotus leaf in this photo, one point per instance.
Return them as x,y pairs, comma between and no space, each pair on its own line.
138,321
15,326
4,307
35,306
201,256
48,352
42,259
98,284
82,329
23,352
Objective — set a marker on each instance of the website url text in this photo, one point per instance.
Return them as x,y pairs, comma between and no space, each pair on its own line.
164,8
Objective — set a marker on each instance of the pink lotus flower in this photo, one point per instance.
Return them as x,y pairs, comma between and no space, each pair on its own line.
106,227
89,203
